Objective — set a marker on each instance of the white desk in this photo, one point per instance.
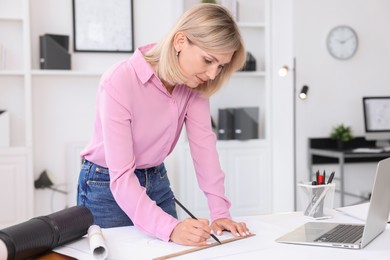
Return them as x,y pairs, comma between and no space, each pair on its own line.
129,243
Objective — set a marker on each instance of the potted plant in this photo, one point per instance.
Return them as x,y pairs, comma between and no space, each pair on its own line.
209,1
341,134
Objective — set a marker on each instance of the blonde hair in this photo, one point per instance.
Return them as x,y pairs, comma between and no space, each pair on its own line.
210,27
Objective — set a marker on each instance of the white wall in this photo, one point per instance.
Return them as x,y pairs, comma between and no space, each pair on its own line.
151,20
337,87
282,120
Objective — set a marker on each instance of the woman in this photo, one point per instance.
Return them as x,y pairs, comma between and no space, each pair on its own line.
142,104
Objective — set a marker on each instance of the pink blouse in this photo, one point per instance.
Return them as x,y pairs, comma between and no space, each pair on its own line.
137,125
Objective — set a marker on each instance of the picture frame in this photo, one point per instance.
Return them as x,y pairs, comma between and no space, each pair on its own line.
103,26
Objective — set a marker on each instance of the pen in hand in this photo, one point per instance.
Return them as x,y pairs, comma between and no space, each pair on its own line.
192,216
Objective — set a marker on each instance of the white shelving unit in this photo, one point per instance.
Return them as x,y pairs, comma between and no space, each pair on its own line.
63,104
16,188
51,111
247,164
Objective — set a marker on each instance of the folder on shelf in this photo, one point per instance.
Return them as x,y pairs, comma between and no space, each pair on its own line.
4,128
54,52
246,123
225,123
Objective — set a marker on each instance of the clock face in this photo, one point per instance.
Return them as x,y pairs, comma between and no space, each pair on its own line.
342,42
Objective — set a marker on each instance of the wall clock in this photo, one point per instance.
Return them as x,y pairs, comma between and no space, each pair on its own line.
342,42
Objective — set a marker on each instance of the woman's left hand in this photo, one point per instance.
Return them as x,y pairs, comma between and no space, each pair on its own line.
238,229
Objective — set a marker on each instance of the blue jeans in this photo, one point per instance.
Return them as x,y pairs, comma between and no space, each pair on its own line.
94,193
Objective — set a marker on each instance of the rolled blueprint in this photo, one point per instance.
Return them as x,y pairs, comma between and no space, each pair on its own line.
96,242
44,233
3,250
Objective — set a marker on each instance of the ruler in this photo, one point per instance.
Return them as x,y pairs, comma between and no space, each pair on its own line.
188,251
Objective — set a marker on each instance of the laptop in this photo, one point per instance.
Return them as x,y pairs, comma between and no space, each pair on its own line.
347,235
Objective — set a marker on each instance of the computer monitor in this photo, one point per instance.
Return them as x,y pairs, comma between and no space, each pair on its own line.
377,120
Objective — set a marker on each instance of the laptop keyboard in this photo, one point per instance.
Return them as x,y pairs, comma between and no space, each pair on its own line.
342,233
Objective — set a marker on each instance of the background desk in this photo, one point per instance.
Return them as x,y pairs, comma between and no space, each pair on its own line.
326,150
129,243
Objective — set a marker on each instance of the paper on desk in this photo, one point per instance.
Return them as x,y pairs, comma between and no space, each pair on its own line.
125,243
367,150
129,243
78,249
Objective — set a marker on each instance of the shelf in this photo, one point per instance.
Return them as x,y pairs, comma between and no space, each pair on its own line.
11,18
249,74
242,143
237,144
13,151
11,73
251,25
70,73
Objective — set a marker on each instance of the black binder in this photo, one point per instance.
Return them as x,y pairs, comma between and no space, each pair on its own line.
225,124
246,123
54,52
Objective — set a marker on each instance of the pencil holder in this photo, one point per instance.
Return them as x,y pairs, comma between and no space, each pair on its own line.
317,200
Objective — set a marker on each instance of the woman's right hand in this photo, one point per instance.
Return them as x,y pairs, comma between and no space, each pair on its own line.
191,232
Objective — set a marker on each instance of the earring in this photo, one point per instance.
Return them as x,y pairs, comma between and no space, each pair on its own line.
177,53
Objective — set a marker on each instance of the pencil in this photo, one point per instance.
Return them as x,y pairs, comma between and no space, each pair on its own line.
192,216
